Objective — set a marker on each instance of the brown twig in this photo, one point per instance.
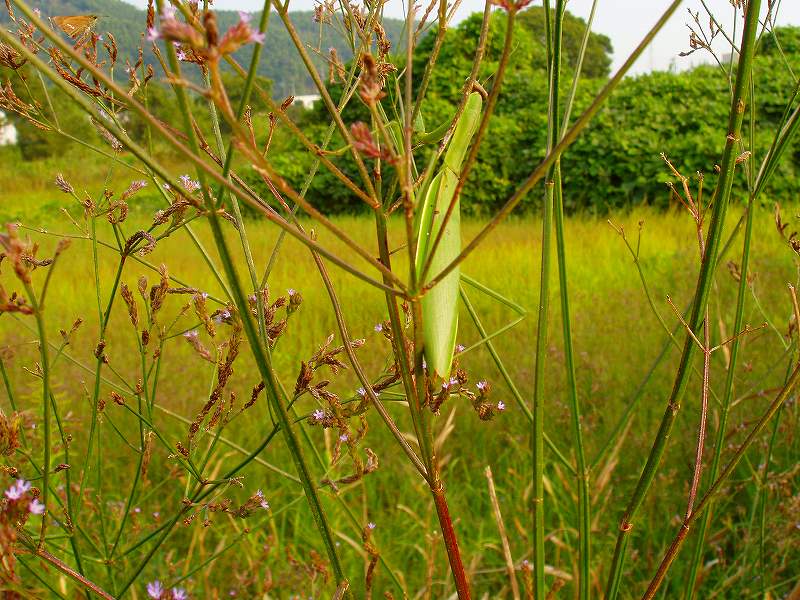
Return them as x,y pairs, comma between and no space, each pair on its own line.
498,516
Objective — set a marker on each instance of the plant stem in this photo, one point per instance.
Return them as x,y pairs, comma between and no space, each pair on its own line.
705,278
537,437
582,476
677,542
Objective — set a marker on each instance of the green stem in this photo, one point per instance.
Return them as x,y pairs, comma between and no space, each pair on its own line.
537,437
582,478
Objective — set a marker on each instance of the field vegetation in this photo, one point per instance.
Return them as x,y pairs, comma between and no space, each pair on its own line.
226,363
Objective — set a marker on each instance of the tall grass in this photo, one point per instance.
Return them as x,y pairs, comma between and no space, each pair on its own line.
200,378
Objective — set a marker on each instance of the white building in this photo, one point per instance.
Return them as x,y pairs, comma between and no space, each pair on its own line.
8,133
306,100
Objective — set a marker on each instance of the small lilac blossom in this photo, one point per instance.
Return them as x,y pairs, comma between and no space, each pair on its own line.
453,381
152,34
459,348
362,392
379,327
190,335
343,437
154,589
179,594
291,291
35,507
189,183
482,385
16,491
222,316
181,56
319,414
424,364
501,406
371,525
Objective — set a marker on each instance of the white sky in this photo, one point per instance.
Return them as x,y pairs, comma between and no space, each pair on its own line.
624,21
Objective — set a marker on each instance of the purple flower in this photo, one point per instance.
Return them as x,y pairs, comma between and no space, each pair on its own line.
222,316
262,502
152,34
482,385
179,594
189,183
501,406
190,335
257,37
319,414
459,348
379,327
168,14
181,55
154,589
343,437
361,392
371,525
36,507
291,291
244,17
16,491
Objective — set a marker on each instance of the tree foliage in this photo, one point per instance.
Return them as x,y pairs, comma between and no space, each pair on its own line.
617,161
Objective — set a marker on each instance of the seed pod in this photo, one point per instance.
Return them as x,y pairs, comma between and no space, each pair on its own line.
440,304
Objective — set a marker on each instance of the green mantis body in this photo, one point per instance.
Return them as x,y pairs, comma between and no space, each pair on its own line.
440,303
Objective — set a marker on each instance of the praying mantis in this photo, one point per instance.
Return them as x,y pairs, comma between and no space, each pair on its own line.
440,303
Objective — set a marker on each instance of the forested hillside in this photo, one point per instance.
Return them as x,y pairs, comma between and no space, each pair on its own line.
281,63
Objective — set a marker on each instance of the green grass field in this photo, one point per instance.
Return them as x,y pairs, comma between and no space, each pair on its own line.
617,339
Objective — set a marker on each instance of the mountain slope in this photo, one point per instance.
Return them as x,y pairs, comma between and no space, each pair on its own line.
279,61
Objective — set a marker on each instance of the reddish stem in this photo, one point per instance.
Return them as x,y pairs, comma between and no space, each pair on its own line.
451,544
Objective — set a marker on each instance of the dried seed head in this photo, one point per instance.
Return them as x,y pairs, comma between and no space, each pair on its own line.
64,185
10,58
127,296
370,86
10,427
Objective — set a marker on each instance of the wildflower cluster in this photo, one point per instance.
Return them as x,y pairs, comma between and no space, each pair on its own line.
204,41
21,499
156,591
